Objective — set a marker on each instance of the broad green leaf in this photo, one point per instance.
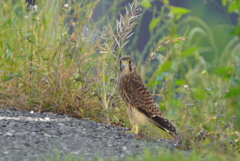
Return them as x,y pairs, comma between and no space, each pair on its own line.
179,82
224,2
179,10
165,66
162,68
225,72
199,93
233,92
152,83
188,52
153,24
146,4
232,7
236,30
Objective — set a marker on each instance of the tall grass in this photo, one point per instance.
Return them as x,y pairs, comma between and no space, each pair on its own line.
57,59
40,60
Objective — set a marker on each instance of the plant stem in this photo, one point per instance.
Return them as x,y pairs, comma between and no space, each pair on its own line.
105,103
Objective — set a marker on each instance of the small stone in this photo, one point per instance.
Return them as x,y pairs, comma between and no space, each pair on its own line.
47,135
9,134
122,156
47,119
124,148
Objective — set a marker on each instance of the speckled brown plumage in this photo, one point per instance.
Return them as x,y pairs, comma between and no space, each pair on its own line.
140,105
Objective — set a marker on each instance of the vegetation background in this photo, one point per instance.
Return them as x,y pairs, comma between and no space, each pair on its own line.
62,56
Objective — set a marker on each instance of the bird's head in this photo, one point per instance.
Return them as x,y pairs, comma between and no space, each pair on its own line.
127,65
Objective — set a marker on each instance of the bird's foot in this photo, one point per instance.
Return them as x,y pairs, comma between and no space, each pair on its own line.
130,131
133,130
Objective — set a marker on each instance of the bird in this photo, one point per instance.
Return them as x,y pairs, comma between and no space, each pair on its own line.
140,106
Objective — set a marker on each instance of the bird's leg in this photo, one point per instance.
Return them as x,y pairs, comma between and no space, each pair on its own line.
136,129
132,129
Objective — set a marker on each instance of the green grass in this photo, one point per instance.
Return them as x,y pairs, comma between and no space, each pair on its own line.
191,67
159,154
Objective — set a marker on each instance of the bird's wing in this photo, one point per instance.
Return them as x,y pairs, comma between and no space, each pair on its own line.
141,99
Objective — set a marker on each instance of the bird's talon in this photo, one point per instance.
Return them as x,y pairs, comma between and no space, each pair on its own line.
130,131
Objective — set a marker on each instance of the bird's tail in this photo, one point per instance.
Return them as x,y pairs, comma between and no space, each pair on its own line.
164,124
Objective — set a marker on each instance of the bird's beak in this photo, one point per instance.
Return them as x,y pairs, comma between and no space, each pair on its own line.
123,66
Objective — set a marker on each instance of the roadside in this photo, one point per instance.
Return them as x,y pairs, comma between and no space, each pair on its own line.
36,136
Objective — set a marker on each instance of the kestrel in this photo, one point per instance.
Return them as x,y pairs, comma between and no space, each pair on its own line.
141,107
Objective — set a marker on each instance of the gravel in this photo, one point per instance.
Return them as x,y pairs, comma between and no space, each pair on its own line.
27,135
